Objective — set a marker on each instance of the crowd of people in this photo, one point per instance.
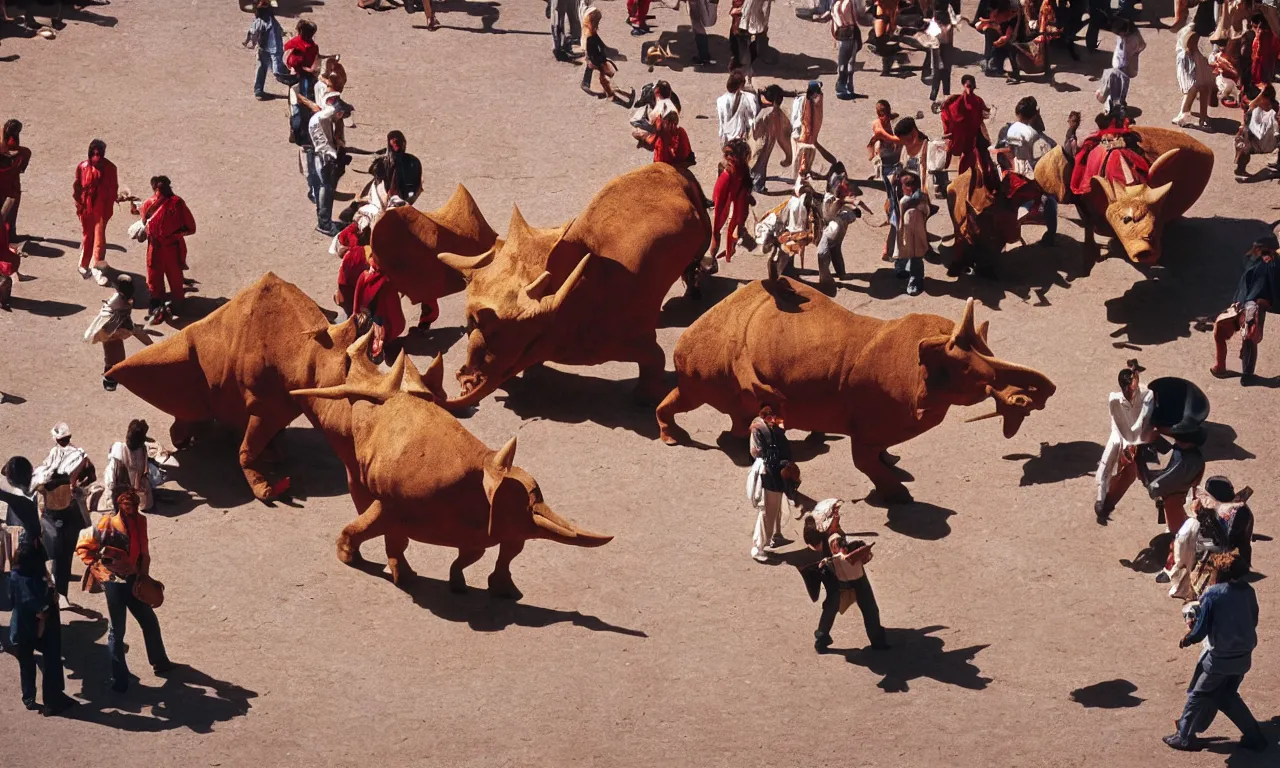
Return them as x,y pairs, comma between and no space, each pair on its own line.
51,507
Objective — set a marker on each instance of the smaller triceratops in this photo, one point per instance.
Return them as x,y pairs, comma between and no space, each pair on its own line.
432,481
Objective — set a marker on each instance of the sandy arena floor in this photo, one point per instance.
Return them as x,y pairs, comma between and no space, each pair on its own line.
1022,636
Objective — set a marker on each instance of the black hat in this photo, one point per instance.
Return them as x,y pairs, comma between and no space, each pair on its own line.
1220,488
1133,365
1268,242
1180,406
1188,433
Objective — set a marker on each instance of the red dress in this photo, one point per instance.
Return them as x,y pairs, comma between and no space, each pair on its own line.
732,200
167,228
354,264
962,119
374,292
94,190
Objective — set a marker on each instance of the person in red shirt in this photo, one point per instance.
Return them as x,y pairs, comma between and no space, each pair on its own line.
354,264
10,259
95,191
168,221
963,119
302,56
1266,47
670,142
638,16
731,197
380,302
11,177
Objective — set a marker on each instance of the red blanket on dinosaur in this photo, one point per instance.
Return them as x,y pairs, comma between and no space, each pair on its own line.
1102,153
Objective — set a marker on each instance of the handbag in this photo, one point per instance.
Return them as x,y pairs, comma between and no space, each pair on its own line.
149,591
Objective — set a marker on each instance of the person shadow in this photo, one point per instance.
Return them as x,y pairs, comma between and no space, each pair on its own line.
187,698
1109,694
1058,462
1151,558
484,613
915,654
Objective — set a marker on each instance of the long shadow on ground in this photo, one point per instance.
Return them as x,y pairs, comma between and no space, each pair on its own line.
1058,461
1109,694
914,654
549,393
188,698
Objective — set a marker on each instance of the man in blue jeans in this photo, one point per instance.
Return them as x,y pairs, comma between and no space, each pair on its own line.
266,35
1229,619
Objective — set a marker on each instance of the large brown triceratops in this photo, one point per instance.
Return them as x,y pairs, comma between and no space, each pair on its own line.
428,479
880,382
405,242
237,365
1119,203
585,293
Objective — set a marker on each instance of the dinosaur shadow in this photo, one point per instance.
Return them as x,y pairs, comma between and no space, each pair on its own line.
288,8
1109,694
914,654
195,308
570,398
919,520
1193,282
208,473
1220,444
739,452
433,342
1151,558
187,698
486,614
681,312
1058,462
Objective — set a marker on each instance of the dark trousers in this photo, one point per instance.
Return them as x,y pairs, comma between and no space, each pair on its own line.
866,603
937,65
737,42
1099,19
1002,54
50,648
61,528
703,45
844,64
119,600
1209,693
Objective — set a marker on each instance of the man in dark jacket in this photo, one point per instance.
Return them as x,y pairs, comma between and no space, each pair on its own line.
769,446
1168,487
1255,294
1228,617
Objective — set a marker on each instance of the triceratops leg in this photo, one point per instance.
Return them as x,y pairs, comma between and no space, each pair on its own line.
257,434
500,583
457,581
396,545
653,362
369,524
677,401
867,458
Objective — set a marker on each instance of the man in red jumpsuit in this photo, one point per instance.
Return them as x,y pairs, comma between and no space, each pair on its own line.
168,221
95,191
381,302
963,119
11,176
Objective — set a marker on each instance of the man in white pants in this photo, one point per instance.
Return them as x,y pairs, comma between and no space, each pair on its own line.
766,484
1130,410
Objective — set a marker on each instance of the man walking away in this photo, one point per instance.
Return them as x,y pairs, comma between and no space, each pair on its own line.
266,35
1228,618
1256,293
94,191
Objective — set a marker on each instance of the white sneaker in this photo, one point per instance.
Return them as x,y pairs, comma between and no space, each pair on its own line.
84,273
101,278
1178,118
759,556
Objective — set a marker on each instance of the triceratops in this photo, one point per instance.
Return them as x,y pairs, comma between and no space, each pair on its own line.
1119,200
237,365
405,242
585,293
428,479
879,382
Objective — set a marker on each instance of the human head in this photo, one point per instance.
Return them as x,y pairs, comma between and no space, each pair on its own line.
126,501
1265,247
396,142
814,90
136,436
968,83
162,185
773,94
1073,119
341,108
883,110
1220,488
17,471
1027,109
1126,379
662,89
591,21
1257,21
1122,26
61,433
905,129
12,129
942,16
736,149
306,29
736,81
97,150
767,414
826,515
1229,566
910,182
124,286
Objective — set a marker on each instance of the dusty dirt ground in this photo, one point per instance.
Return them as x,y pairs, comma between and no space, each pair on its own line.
1021,633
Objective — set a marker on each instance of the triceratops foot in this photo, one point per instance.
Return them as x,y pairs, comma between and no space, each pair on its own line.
349,555
401,571
673,435
890,494
457,582
501,585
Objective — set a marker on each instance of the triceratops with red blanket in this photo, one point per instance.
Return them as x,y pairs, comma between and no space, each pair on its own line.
1122,182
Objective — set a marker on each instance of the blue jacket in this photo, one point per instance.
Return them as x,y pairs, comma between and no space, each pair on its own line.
1229,618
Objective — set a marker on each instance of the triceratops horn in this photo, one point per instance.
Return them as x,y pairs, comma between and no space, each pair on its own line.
466,263
965,330
553,302
538,288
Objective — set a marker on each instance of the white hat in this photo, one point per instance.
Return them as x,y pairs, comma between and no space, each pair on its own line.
824,513
60,431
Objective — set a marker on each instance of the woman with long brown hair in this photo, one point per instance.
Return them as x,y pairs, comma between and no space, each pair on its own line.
731,197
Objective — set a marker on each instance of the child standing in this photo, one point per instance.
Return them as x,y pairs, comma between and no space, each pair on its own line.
266,35
939,56
113,325
596,59
913,234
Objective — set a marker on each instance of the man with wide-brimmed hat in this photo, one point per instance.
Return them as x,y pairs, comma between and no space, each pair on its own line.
1256,293
1169,486
1220,521
1130,411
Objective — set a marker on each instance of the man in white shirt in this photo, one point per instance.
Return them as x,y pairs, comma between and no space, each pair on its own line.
735,109
328,164
1130,411
1027,145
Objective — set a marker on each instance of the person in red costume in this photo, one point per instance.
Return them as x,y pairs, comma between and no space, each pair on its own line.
380,303
670,142
302,55
11,176
351,245
95,191
168,221
963,120
731,197
1266,47
10,259
638,16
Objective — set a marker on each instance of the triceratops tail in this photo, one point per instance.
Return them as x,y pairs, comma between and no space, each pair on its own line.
556,528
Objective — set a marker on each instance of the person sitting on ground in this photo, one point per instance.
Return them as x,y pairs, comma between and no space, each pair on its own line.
670,141
1258,131
1256,293
646,104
